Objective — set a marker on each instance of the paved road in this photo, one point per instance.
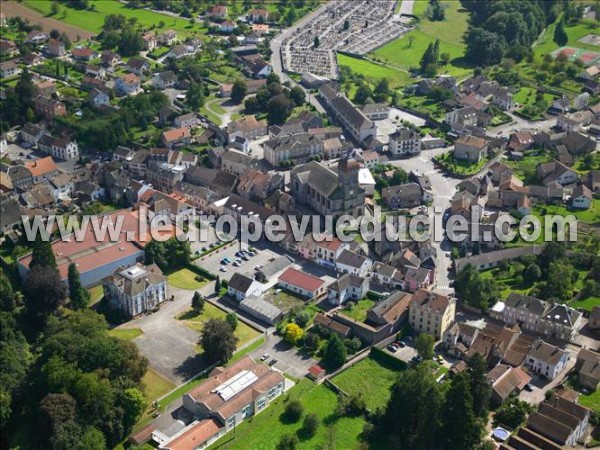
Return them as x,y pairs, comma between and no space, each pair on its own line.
443,188
406,8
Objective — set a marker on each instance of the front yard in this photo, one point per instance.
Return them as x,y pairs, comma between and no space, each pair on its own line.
196,322
264,431
368,378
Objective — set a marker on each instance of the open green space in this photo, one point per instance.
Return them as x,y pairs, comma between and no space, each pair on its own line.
373,71
591,401
406,51
263,431
586,303
93,19
590,216
526,169
127,334
185,279
368,378
527,96
196,323
358,310
546,44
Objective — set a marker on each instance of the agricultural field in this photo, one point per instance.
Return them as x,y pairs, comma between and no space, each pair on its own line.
92,20
406,52
196,321
369,378
264,431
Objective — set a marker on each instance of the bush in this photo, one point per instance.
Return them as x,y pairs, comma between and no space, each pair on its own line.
293,411
288,442
310,425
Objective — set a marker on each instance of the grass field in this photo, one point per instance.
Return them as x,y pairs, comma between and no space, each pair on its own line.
547,45
370,379
92,20
590,216
196,322
403,54
526,169
264,431
185,279
587,303
359,309
155,385
375,71
591,401
526,96
127,334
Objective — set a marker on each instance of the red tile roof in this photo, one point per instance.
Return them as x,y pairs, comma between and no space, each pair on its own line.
41,166
302,280
195,436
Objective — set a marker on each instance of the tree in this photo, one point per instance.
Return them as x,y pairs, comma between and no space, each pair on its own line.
42,254
232,320
428,60
198,303
293,333
288,442
293,411
297,95
64,38
512,413
481,391
80,297
134,404
532,273
251,104
335,352
278,109
238,91
412,415
218,285
484,47
195,95
561,281
302,318
472,289
218,340
552,252
560,34
462,429
316,42
44,292
363,93
54,8
382,91
424,345
310,425
7,294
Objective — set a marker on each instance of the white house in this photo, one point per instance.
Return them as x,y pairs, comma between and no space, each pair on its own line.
582,197
128,84
347,287
164,80
353,263
546,360
240,286
136,289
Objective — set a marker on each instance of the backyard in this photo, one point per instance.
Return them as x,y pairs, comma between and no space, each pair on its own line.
526,169
369,378
358,310
195,321
264,431
376,72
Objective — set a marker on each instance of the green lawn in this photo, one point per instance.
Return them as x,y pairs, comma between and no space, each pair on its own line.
127,334
185,279
374,71
196,322
370,379
590,216
587,303
359,309
547,45
526,169
404,55
92,20
264,431
526,96
96,294
591,401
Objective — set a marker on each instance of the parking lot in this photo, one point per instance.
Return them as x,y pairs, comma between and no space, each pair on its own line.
406,353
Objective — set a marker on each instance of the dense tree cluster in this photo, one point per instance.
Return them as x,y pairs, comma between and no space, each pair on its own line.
168,255
424,415
218,340
121,33
17,107
474,290
497,26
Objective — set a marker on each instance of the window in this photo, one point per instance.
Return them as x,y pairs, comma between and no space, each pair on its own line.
261,404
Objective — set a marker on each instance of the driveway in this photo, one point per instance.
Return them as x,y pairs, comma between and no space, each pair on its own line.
167,343
543,385
289,359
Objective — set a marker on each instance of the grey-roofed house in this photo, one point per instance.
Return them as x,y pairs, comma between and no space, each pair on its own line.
10,215
560,322
353,263
347,287
297,147
376,111
402,196
526,311
404,142
588,369
261,309
275,267
546,359
236,162
240,286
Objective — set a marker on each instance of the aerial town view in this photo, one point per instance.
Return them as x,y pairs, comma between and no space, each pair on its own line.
299,224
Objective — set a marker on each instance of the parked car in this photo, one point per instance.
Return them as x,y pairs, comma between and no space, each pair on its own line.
224,261
245,258
236,264
400,344
392,348
265,357
251,254
223,269
272,362
439,359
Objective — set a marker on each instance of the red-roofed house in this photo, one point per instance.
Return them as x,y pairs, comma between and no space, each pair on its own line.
302,283
42,169
178,136
83,53
199,434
